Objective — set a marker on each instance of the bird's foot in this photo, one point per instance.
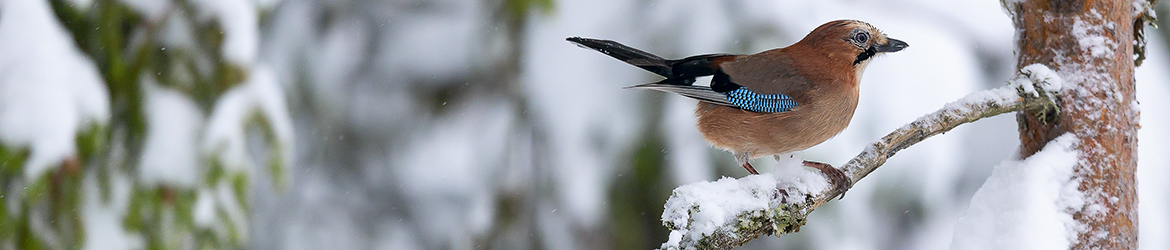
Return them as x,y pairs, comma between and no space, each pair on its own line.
751,169
840,181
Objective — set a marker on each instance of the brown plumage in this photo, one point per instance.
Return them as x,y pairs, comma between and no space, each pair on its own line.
774,102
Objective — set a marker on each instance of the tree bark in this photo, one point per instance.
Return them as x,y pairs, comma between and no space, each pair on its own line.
1090,44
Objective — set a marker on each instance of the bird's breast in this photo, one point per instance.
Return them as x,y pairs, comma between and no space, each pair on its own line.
763,134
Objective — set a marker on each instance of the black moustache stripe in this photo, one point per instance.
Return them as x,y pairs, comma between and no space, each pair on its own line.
865,55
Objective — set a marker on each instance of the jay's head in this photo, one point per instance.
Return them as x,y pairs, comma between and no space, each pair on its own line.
859,41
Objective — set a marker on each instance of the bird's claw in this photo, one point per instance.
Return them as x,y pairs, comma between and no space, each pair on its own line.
840,181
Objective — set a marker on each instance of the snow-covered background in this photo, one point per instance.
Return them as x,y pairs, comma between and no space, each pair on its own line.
460,124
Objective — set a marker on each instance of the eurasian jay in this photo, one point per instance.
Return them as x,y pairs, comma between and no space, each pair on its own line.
774,102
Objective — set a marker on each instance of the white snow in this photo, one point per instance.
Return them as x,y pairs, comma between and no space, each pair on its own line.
996,95
1040,73
48,90
1092,38
169,155
1026,204
240,21
204,211
1143,6
104,220
261,94
793,177
1031,75
716,205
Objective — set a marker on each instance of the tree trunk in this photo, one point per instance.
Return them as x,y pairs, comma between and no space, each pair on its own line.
1090,44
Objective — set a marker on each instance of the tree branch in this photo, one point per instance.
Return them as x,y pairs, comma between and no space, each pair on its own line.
751,207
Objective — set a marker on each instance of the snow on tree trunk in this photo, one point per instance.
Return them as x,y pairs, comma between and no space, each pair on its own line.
1089,44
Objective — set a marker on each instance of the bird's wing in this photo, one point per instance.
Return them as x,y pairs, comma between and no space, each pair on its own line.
742,98
701,93
765,82
768,73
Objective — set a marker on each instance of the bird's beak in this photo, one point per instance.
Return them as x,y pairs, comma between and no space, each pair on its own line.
892,45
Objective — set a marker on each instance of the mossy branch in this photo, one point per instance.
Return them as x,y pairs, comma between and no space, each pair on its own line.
1033,90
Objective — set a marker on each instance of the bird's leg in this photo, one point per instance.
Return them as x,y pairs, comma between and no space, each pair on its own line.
742,158
835,175
749,168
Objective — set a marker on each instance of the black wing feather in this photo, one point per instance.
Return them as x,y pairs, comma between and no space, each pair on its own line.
701,93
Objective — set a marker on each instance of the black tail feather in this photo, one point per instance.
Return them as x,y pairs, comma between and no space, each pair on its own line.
677,72
627,54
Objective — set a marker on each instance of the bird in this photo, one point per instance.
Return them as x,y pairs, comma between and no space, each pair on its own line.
774,102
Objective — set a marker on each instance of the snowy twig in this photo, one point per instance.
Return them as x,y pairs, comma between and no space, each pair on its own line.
759,205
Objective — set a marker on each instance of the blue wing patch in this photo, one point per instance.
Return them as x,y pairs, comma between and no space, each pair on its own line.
748,100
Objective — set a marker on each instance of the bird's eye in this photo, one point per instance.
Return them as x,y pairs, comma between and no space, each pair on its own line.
861,37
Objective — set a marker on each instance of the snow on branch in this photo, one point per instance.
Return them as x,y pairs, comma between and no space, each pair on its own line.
730,212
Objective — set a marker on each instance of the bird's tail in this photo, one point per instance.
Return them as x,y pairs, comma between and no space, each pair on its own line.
627,54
